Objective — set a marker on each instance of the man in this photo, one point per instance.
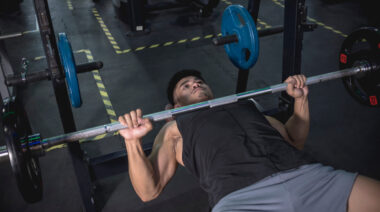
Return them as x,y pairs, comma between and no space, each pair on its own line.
245,161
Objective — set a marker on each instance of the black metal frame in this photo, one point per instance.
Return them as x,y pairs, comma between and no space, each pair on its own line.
294,26
292,48
241,86
64,106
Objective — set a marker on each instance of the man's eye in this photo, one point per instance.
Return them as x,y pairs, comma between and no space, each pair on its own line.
186,86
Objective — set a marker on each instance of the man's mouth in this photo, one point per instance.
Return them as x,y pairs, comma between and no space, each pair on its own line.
197,89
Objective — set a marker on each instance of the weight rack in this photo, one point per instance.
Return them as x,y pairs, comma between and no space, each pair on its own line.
114,163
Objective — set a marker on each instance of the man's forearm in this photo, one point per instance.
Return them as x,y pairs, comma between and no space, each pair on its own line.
141,171
298,124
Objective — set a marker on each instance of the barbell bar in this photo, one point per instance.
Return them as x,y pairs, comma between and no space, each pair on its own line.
364,68
234,38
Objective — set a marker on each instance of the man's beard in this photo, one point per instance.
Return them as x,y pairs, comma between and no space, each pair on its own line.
201,96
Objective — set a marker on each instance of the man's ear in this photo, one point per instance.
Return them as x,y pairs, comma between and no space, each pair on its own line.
168,107
177,105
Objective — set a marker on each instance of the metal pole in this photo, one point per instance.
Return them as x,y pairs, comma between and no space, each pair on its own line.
292,47
253,8
4,154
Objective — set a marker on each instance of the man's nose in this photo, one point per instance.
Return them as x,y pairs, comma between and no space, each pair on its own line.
196,84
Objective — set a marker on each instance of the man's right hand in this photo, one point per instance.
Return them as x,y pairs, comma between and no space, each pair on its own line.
137,126
297,87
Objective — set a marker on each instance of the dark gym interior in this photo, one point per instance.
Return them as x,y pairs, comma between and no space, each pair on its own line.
138,60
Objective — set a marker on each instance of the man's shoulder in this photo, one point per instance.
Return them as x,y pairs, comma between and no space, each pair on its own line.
169,124
170,129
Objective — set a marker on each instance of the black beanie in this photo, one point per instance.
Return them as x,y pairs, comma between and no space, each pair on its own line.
177,77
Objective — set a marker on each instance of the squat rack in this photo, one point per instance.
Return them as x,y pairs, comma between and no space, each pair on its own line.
114,163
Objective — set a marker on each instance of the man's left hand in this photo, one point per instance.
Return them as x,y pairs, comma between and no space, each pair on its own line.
297,87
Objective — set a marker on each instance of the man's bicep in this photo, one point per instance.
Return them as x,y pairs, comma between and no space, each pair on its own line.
163,157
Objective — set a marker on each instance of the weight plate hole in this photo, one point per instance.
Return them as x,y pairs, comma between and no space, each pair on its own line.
247,54
241,19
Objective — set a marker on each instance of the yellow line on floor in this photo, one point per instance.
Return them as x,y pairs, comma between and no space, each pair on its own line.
330,28
105,99
106,31
118,50
70,5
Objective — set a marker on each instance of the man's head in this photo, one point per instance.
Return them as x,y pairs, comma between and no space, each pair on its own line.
188,87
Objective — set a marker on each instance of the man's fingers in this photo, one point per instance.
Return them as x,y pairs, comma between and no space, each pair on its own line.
134,118
304,80
147,123
291,83
128,119
139,112
299,81
139,117
290,80
122,120
290,88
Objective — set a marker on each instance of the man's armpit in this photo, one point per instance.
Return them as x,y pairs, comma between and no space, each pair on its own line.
280,127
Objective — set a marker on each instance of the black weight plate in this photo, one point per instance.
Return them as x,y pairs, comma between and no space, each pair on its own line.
362,46
25,167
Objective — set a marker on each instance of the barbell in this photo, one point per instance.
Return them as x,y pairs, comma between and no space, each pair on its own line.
36,144
359,71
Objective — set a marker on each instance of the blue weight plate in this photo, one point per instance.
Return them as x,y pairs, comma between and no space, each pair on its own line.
69,66
237,20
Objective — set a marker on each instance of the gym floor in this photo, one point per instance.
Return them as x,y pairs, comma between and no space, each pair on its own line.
343,134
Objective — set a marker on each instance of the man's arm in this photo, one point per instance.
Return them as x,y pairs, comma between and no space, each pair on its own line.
148,175
298,124
296,129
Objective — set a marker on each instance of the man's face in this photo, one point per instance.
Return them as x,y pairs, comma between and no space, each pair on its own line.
191,90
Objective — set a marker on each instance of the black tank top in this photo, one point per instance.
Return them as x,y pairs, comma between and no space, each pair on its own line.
233,146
